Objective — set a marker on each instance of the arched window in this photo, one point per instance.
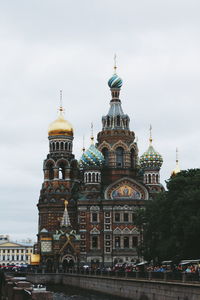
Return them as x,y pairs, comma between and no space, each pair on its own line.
61,171
153,178
157,178
57,145
61,145
93,177
132,158
118,120
53,146
106,155
108,121
89,177
51,171
149,177
97,177
65,146
119,157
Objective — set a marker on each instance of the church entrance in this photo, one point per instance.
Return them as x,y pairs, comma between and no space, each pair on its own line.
68,262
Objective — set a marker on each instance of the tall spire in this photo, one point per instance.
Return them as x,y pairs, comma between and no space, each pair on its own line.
177,168
115,64
61,104
150,135
92,135
83,144
65,221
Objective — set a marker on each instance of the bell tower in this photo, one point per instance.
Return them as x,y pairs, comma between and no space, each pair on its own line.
60,174
116,141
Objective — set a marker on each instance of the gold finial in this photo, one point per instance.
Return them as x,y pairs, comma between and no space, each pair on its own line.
150,136
115,63
61,109
65,203
176,155
177,168
92,136
83,144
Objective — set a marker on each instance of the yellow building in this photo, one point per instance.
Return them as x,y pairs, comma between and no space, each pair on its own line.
15,254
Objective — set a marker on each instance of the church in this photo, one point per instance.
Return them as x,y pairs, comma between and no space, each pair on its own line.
87,207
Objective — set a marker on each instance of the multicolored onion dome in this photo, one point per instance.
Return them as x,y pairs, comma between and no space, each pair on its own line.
151,159
115,82
91,157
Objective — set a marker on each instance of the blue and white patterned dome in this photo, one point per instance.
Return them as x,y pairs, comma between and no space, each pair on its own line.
115,82
91,157
151,159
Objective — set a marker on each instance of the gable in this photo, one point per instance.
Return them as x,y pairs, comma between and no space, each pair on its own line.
126,188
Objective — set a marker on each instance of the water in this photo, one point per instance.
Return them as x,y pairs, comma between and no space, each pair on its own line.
74,293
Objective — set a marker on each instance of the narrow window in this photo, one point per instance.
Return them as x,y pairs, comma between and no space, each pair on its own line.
94,242
61,171
51,172
117,217
89,177
108,121
125,217
157,179
149,177
132,158
117,242
119,157
94,217
93,177
126,242
118,120
106,155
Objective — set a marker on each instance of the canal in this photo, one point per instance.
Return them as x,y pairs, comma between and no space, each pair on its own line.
61,292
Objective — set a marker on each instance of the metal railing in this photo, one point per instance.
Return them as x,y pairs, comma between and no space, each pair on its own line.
120,273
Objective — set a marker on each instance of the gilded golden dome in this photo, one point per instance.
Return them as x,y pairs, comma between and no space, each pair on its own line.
60,126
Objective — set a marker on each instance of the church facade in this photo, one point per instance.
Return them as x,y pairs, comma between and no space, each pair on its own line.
87,208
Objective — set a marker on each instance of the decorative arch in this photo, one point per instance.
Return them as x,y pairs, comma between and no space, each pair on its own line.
120,144
104,145
126,188
49,161
62,160
61,165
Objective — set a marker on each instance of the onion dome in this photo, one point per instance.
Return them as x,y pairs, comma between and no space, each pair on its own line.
92,157
151,159
115,82
60,126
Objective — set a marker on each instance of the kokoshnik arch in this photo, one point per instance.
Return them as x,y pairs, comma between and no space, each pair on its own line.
87,207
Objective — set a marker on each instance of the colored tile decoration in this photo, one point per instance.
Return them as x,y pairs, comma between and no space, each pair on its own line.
151,159
91,157
125,192
115,82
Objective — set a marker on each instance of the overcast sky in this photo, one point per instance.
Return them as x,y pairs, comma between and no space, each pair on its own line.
50,45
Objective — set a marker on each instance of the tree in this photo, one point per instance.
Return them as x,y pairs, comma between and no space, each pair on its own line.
171,221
